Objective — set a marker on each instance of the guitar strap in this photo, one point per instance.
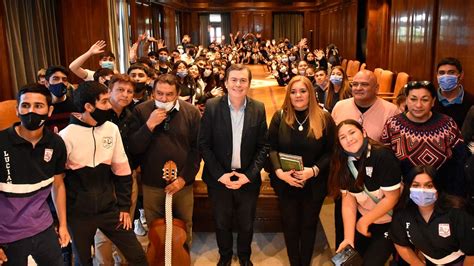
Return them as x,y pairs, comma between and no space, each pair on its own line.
169,229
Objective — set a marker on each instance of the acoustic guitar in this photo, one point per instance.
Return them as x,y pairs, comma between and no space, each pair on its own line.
168,236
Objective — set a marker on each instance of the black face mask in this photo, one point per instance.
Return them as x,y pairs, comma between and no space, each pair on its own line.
33,121
101,116
140,87
58,90
106,82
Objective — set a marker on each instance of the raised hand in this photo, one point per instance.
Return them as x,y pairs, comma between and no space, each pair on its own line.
97,47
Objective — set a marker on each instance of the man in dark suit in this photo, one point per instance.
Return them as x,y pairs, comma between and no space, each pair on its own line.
232,141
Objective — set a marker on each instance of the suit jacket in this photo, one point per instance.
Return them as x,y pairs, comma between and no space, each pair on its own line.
215,142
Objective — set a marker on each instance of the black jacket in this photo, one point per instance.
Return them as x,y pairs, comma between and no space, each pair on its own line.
215,142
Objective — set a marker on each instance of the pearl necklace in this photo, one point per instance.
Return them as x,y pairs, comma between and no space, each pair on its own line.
300,128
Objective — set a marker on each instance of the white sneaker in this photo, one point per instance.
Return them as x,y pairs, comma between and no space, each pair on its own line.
143,219
138,228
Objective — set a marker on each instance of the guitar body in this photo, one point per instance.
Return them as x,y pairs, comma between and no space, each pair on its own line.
157,233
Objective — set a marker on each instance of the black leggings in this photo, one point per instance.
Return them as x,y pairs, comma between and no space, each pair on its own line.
375,250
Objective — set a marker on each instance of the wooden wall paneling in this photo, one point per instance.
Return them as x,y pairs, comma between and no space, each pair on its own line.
412,39
169,25
267,32
244,24
143,19
455,37
193,29
378,33
81,24
349,33
338,25
310,27
257,20
6,89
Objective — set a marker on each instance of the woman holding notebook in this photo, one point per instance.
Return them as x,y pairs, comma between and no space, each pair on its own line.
301,137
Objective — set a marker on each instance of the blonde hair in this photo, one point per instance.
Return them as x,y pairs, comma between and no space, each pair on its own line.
317,120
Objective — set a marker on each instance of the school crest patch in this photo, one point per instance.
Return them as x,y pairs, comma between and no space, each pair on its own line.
107,142
48,154
369,170
444,230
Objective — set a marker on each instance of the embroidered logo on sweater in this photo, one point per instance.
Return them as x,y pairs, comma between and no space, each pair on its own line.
107,142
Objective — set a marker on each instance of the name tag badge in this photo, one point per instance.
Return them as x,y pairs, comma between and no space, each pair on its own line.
444,230
369,170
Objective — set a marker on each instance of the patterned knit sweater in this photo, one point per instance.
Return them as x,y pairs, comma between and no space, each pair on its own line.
436,142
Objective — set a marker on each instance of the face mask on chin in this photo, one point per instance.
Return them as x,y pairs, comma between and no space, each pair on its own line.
33,121
167,106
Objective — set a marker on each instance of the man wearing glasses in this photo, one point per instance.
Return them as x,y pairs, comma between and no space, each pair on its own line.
168,130
371,111
233,145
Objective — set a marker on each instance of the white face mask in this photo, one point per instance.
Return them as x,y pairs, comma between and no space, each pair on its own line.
207,73
167,106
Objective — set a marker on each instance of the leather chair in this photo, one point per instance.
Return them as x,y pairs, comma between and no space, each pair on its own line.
352,68
378,74
344,64
8,114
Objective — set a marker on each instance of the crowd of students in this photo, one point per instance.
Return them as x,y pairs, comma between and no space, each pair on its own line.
399,176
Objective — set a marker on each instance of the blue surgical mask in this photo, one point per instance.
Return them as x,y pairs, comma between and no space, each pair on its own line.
107,64
58,90
182,74
448,82
422,196
162,58
292,58
336,80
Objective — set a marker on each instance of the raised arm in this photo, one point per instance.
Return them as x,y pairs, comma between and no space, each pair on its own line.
76,65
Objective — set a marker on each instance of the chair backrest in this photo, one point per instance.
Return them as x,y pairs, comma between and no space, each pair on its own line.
402,79
344,64
378,73
386,79
352,68
8,114
363,66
